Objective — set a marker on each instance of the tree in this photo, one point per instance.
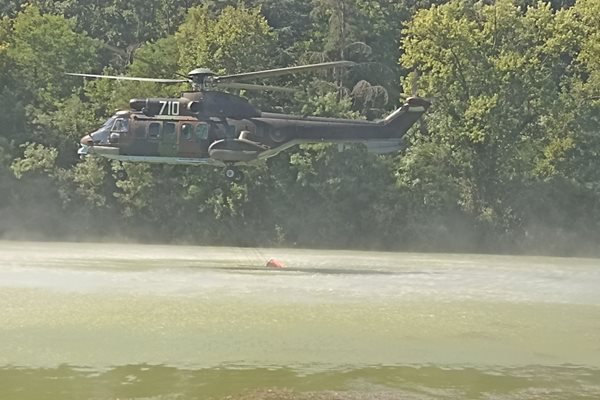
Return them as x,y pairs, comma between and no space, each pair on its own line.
235,39
503,79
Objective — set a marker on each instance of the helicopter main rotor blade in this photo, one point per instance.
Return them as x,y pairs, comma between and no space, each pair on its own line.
131,78
283,71
249,86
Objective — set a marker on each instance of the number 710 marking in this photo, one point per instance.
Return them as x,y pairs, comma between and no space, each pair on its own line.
168,107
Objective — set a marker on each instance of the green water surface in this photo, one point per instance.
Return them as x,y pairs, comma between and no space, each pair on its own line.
106,321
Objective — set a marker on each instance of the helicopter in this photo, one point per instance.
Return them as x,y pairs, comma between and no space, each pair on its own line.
210,127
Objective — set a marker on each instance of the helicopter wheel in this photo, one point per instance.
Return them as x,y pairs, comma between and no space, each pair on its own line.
233,174
121,175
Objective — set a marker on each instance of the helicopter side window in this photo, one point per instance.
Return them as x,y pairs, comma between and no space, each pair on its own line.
168,130
202,131
186,131
154,130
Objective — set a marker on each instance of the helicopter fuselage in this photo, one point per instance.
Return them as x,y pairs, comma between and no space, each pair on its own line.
218,128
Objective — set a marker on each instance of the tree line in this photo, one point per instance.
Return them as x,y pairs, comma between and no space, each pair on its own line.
506,159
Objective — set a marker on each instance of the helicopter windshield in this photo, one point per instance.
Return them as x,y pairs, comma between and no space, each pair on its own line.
102,135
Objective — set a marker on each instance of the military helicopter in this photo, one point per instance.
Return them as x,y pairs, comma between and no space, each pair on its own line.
209,127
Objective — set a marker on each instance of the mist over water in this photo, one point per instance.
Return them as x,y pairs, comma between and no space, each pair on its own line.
108,321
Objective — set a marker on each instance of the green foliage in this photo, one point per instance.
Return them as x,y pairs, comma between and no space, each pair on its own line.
121,23
37,158
135,190
39,103
329,105
505,79
335,196
86,182
42,48
236,38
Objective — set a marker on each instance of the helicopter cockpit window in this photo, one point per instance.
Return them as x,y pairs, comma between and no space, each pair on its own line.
120,125
102,134
186,131
110,122
202,131
154,130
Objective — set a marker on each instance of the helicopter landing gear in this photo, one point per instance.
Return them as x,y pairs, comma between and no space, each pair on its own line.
121,175
233,174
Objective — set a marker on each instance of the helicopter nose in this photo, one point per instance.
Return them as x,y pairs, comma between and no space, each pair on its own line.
87,140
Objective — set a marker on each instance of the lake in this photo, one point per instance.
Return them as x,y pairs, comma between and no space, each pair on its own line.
120,321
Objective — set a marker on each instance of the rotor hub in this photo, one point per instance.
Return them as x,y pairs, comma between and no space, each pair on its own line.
202,78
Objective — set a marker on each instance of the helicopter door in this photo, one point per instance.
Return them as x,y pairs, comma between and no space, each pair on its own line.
167,145
192,140
119,128
149,145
